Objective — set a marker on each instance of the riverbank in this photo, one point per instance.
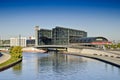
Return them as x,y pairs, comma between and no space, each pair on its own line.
4,57
9,64
31,49
6,61
104,56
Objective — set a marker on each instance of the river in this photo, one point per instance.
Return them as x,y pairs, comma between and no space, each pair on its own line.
54,66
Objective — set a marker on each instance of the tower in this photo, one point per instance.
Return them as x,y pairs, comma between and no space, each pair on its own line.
36,35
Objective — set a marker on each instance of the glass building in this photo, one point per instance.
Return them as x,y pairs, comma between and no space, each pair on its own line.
63,36
92,40
30,42
58,36
44,37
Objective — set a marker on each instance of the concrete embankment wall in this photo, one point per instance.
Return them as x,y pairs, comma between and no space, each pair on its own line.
74,50
91,52
96,54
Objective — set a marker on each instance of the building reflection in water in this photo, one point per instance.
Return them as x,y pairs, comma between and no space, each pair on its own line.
58,62
55,66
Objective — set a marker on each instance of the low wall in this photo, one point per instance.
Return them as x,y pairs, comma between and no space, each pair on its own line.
91,52
98,52
72,50
103,56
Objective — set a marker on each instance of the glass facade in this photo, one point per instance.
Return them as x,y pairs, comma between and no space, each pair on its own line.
63,36
89,40
30,42
44,37
59,36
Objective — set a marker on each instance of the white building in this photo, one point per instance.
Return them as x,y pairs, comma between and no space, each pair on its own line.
19,41
36,35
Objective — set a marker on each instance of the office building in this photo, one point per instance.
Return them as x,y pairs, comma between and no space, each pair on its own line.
43,36
57,36
63,36
30,42
18,41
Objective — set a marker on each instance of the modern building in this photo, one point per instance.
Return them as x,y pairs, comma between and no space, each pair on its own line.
43,36
92,41
57,36
36,35
30,42
18,41
63,36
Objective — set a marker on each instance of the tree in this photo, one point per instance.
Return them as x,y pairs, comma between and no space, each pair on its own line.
16,52
118,45
107,46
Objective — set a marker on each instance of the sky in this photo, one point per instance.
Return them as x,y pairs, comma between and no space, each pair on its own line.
97,17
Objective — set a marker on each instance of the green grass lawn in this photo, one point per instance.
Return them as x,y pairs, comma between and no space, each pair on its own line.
16,56
9,62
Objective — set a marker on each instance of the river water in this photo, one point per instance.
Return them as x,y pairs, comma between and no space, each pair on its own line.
53,66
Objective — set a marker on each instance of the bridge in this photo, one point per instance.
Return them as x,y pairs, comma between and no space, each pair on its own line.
53,47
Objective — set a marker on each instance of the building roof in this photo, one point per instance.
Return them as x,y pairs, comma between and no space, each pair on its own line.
95,38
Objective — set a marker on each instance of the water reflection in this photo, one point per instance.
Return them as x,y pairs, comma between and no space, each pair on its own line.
60,62
53,66
17,69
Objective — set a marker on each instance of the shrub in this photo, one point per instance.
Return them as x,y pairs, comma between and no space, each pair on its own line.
16,52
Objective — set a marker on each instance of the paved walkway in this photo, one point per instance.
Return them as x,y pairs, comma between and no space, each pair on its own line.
4,57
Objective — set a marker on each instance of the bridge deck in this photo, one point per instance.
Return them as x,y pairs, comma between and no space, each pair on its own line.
52,46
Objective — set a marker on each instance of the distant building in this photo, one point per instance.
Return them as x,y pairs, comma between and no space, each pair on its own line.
5,43
30,42
0,41
57,36
92,41
19,41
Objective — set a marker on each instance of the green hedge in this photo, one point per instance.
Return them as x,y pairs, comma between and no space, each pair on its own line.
16,52
113,46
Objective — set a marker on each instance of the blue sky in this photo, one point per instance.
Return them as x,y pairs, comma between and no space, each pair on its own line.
97,17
